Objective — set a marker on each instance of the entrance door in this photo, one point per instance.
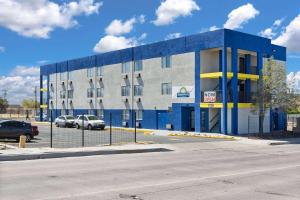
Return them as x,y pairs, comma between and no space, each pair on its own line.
204,120
192,120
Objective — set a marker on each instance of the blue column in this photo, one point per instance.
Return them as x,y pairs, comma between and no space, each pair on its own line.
260,85
197,93
41,98
235,92
248,82
224,89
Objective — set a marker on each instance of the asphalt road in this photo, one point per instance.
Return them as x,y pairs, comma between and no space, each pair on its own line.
212,170
72,137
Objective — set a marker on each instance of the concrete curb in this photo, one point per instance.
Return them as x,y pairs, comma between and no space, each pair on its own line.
49,155
203,136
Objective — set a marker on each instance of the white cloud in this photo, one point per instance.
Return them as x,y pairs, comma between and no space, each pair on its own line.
169,10
38,18
2,49
20,83
111,43
213,28
290,37
118,27
143,36
172,36
293,81
268,33
240,16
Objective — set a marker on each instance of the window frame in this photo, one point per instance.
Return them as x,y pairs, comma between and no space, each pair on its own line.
100,113
138,66
99,71
100,91
89,72
125,115
125,91
139,114
166,62
138,90
90,91
167,90
126,67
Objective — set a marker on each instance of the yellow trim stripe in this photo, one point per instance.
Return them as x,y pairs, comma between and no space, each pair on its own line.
44,106
220,105
43,90
241,76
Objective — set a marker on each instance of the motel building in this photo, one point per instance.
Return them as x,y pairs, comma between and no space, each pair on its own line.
202,83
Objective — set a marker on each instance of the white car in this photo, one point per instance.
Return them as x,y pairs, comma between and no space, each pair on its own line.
90,122
65,121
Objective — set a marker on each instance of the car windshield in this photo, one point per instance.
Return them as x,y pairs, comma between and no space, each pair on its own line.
69,117
92,118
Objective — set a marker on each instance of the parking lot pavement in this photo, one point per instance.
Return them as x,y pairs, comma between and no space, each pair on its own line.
71,137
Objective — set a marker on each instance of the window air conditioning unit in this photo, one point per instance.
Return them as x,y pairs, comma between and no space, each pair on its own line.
100,101
125,76
63,83
138,100
138,75
125,124
51,85
51,103
138,124
169,126
125,99
63,102
100,79
91,80
70,83
71,102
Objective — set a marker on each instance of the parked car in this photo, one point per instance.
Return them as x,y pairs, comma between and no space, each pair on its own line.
65,121
11,129
90,122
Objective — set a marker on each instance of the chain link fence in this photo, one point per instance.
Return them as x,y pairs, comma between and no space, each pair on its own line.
82,135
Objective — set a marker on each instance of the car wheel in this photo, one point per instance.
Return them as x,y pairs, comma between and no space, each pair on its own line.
28,138
77,126
90,127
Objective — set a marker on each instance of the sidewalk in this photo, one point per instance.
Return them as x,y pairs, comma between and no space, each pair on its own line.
46,153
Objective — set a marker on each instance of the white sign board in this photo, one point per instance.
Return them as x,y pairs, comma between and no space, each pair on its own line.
209,96
183,92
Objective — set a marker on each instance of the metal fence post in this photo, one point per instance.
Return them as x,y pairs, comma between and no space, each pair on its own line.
110,129
51,129
82,136
135,126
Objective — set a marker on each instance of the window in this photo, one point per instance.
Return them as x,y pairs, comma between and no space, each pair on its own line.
90,112
62,94
138,65
166,62
99,71
90,72
63,112
70,94
166,88
51,95
63,76
100,113
139,114
71,112
138,90
69,74
90,92
125,91
125,115
100,92
125,67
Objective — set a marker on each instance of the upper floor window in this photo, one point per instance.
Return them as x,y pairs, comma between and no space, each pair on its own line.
100,92
125,67
138,90
166,62
62,94
138,65
90,92
125,91
70,94
99,71
166,88
63,76
90,72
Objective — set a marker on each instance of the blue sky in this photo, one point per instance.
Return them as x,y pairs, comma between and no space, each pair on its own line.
48,38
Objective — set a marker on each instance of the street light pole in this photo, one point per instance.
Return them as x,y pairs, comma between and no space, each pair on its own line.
35,101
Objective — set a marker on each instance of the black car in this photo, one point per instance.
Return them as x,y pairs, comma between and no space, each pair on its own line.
11,129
